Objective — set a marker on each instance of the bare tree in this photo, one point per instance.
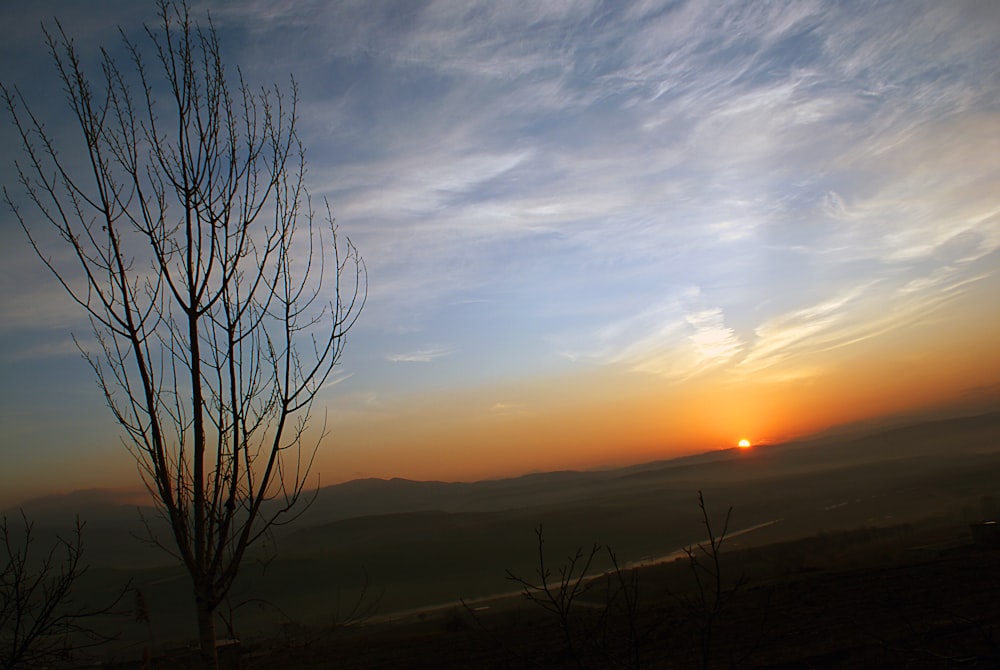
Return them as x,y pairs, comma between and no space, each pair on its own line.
623,594
558,596
617,630
40,621
712,593
219,305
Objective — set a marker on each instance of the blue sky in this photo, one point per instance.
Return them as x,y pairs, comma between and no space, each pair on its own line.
561,200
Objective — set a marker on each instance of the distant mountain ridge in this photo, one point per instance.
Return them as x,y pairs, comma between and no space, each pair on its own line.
432,542
375,496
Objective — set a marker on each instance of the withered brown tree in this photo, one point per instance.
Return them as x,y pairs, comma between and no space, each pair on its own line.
219,302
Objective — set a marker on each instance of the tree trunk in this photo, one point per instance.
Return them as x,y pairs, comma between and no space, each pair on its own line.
206,634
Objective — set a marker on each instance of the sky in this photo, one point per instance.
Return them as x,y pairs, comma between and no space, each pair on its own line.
596,233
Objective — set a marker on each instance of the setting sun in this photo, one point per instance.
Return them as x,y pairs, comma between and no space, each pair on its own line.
744,444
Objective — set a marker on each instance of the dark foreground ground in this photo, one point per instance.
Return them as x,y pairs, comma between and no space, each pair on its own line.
872,598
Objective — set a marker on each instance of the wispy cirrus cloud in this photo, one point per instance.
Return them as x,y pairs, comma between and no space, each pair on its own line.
54,348
421,355
677,338
336,380
701,342
799,338
544,184
815,326
657,143
508,409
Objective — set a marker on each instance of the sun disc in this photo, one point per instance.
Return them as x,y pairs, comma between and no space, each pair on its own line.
744,444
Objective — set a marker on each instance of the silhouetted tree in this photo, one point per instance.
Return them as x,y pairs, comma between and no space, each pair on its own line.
712,592
604,631
612,633
557,593
195,252
40,621
623,598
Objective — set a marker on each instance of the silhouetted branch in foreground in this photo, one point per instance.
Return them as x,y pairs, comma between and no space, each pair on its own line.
557,594
623,596
597,614
612,632
712,594
40,621
361,609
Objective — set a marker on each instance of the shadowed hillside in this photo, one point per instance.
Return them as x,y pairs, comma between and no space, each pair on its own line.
425,544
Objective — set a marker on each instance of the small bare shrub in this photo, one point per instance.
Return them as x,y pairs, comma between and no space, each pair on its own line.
40,621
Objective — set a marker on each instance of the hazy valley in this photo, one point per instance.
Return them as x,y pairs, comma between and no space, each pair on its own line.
422,545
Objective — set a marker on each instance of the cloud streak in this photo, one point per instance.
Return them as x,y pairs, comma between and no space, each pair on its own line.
420,355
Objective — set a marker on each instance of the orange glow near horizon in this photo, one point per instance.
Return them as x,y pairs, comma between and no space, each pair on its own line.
612,416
